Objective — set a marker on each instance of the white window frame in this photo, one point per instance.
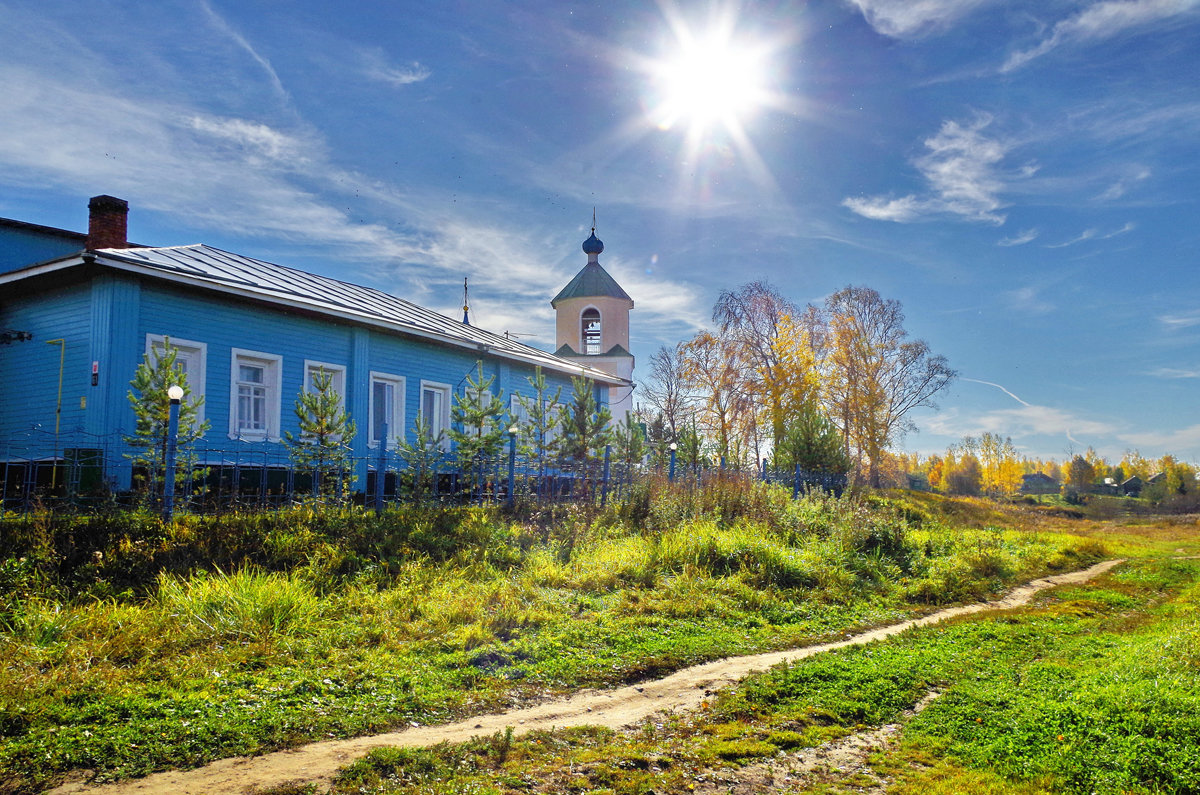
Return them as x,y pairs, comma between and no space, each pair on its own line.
475,398
196,354
272,365
517,415
338,371
556,409
337,383
443,425
396,420
583,337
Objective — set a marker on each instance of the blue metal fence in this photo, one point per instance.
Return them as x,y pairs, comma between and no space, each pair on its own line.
39,469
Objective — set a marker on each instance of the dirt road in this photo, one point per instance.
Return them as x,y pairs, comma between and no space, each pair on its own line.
319,762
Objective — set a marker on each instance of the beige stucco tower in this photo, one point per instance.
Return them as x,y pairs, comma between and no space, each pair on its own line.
593,324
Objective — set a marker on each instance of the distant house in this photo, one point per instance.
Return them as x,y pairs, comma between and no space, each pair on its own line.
1039,483
1132,486
250,335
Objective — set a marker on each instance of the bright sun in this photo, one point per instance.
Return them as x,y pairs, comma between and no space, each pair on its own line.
709,81
711,77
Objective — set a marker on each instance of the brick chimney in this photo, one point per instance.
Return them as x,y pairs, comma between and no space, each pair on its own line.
108,219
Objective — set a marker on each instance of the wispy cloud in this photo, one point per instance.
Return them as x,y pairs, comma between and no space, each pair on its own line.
1094,234
1122,185
903,19
1086,234
1026,419
1019,239
1029,301
1133,120
256,138
377,67
1185,441
1021,422
961,171
1173,373
1128,227
271,179
1180,321
238,176
238,39
1100,21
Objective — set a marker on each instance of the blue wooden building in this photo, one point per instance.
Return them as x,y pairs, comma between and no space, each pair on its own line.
78,313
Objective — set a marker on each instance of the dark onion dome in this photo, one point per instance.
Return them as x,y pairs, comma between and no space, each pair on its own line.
593,245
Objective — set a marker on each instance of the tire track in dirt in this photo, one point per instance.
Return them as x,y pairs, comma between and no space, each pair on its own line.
318,763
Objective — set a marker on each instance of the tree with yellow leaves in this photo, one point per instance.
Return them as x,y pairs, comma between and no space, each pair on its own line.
875,375
1000,469
775,354
712,367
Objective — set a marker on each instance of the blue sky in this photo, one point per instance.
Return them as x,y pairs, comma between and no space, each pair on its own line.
1021,176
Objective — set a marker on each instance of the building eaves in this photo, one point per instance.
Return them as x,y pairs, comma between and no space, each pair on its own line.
25,226
214,269
591,282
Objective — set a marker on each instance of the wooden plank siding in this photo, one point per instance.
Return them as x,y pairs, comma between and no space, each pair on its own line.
29,385
106,315
224,324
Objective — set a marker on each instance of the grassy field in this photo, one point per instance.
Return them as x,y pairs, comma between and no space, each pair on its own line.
130,647
1093,689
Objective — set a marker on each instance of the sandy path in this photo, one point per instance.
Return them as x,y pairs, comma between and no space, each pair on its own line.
319,762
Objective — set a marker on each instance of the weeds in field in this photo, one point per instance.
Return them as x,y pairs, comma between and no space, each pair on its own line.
129,645
1092,691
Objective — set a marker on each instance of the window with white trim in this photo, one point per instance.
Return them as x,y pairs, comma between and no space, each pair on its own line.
590,322
337,380
478,400
254,395
517,415
190,356
556,415
337,377
435,408
387,406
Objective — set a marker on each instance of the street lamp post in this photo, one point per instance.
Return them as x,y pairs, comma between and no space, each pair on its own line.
175,394
671,472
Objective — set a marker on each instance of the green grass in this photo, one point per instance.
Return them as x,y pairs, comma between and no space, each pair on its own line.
130,646
1093,689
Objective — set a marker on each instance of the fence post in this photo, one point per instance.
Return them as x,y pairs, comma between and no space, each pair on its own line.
175,395
381,469
796,483
607,470
512,467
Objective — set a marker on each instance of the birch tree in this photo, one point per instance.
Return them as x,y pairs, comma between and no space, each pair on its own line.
876,375
713,369
750,320
667,391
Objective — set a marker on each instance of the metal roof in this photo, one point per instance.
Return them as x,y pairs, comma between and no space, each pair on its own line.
591,282
209,267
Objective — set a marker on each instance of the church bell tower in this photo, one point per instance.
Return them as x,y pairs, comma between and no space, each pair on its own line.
592,325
